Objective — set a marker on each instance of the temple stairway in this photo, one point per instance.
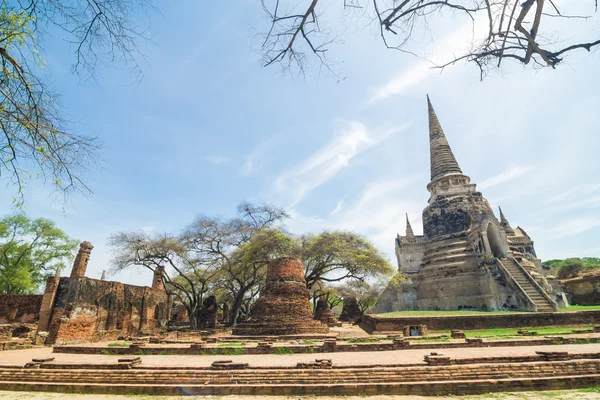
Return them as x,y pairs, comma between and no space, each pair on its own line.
524,280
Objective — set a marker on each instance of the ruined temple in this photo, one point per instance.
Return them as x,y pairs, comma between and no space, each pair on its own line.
283,307
466,257
81,309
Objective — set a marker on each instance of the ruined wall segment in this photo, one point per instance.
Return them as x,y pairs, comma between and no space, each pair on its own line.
19,308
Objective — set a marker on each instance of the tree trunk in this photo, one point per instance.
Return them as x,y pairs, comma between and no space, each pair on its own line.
236,306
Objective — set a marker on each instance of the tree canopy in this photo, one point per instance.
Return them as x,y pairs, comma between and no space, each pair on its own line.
227,257
530,32
571,267
37,138
29,251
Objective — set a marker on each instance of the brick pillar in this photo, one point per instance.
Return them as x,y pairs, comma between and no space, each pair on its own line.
81,261
157,279
48,302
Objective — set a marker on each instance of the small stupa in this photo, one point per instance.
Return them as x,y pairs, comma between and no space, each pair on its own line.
283,307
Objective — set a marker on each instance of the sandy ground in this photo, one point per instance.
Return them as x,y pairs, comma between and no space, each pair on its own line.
560,395
20,357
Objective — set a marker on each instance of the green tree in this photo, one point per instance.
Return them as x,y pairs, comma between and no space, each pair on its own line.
571,267
241,247
37,140
29,251
188,278
339,256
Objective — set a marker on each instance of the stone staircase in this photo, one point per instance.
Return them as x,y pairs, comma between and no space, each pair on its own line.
525,281
398,380
449,252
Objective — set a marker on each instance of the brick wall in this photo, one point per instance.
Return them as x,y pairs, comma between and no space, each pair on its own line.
373,323
19,308
88,309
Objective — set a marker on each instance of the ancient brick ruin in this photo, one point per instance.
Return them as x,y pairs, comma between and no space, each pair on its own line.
283,307
80,309
466,257
324,314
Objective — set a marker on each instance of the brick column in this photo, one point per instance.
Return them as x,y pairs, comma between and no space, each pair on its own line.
81,261
48,302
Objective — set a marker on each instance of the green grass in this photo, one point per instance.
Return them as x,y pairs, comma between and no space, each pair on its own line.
228,351
434,313
231,344
118,344
105,352
512,332
580,308
284,350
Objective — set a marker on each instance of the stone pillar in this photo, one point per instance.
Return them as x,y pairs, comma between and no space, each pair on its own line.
81,261
48,302
157,279
225,314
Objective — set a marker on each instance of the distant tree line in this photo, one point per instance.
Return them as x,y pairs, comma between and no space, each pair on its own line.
571,267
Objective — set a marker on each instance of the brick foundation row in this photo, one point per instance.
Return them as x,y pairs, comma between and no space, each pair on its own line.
329,346
423,380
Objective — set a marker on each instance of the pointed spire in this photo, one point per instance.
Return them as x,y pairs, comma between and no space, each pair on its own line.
410,236
443,161
504,222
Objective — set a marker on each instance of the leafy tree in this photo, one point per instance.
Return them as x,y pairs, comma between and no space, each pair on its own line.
530,32
188,278
29,251
571,267
36,139
241,247
365,293
338,256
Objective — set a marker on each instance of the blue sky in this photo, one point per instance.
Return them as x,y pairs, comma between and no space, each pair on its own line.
208,127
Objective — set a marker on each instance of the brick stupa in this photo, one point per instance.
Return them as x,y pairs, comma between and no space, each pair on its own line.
283,307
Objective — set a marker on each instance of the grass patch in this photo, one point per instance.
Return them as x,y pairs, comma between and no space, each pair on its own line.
512,332
284,350
595,389
429,339
231,344
118,344
579,308
105,352
229,351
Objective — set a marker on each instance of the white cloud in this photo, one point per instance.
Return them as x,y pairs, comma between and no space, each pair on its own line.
257,159
352,139
216,160
378,214
573,226
505,176
451,46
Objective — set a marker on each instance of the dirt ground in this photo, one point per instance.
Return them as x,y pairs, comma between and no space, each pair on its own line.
583,394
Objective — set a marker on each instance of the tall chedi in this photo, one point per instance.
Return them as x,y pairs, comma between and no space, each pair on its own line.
464,259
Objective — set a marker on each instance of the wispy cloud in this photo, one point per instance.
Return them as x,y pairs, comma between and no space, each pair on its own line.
377,213
258,158
505,176
445,50
351,140
216,160
573,226
577,192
